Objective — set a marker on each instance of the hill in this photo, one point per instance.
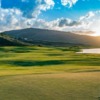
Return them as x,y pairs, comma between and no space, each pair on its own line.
6,40
51,37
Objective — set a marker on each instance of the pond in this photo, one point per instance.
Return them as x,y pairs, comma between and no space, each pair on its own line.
93,51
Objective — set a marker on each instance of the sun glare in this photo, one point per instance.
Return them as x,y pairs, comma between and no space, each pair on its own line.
96,32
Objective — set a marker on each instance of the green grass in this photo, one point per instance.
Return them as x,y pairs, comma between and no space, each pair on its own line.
48,73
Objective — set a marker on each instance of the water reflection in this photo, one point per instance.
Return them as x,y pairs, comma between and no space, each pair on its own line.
96,50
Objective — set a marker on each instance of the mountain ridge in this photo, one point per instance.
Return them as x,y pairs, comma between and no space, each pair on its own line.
36,36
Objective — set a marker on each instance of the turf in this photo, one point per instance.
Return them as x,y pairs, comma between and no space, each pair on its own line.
48,73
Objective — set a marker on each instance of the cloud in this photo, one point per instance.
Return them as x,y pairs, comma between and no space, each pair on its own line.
33,8
67,22
12,18
30,8
68,3
89,22
42,5
88,16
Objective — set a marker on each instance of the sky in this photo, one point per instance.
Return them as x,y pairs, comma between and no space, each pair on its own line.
63,15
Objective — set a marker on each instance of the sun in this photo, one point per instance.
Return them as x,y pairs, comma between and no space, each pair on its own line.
96,32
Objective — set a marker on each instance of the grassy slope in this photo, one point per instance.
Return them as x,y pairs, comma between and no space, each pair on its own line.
45,73
6,40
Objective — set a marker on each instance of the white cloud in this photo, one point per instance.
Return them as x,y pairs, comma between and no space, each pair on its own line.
88,22
90,15
68,3
11,19
43,6
91,21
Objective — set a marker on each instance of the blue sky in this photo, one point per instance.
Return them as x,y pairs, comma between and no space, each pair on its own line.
65,15
80,8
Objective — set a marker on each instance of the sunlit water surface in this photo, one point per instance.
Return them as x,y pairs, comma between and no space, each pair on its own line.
94,51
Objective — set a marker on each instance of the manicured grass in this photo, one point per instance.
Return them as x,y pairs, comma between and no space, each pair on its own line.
66,86
48,73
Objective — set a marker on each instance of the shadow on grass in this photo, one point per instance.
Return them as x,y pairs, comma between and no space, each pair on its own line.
84,62
29,63
34,63
17,49
22,49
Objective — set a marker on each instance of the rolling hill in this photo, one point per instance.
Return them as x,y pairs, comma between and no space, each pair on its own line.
6,40
51,37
